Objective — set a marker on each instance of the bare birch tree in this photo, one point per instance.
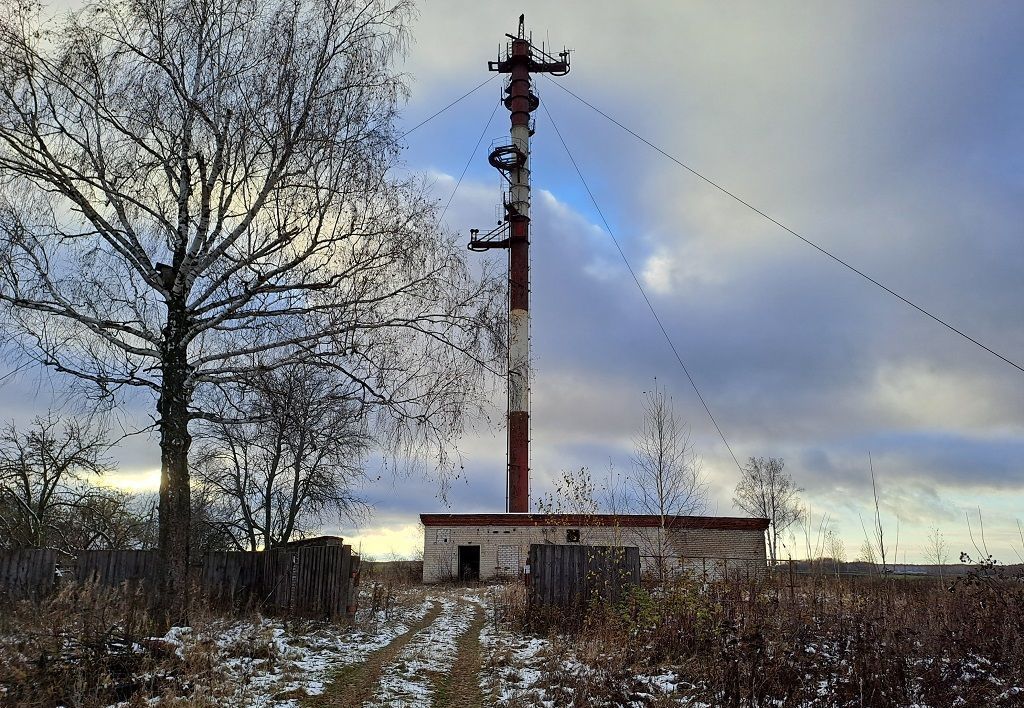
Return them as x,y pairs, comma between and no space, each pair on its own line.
666,475
936,551
765,490
189,190
297,464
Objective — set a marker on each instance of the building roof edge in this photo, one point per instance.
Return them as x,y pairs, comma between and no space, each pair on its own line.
624,520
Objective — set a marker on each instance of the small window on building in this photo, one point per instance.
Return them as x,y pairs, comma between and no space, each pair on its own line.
443,536
572,535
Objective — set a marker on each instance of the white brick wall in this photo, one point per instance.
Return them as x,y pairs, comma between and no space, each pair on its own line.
504,549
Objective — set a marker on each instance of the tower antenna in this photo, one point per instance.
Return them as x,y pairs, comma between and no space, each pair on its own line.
520,59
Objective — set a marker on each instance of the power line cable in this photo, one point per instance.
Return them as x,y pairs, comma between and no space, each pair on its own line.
457,100
782,226
640,286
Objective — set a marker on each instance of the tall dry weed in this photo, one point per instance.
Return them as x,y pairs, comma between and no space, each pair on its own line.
881,642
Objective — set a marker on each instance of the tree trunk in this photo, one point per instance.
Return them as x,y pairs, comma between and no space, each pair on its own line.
175,504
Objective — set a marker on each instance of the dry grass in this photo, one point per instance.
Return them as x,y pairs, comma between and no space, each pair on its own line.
91,646
865,642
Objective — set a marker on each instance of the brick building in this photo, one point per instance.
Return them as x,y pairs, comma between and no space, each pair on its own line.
487,546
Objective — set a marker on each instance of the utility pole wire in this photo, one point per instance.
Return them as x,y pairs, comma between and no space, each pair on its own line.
639,285
782,226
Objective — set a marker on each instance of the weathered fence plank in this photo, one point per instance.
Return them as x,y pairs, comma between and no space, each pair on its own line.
309,580
325,586
116,567
571,575
27,573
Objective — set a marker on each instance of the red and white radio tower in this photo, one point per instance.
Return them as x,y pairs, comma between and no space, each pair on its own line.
513,161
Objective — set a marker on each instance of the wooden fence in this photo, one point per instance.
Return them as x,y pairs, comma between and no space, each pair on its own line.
566,576
318,581
311,581
115,567
27,573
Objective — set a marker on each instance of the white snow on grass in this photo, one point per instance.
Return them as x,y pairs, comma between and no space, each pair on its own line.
407,680
512,668
523,670
265,663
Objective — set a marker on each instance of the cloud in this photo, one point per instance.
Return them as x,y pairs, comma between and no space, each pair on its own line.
891,135
658,273
886,135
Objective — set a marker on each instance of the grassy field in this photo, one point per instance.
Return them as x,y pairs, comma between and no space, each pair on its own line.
852,641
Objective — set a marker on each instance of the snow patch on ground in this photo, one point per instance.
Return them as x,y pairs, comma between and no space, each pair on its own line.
265,663
512,668
407,680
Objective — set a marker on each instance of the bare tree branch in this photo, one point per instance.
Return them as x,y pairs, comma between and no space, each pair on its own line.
765,490
666,474
189,190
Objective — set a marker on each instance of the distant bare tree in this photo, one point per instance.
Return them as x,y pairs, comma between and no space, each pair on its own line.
666,475
836,549
868,554
574,493
44,473
189,190
297,464
110,518
936,551
765,490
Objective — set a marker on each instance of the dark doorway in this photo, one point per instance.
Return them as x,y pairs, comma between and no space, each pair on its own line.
469,563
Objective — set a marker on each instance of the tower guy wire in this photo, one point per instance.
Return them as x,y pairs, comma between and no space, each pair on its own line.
639,285
782,226
450,105
465,167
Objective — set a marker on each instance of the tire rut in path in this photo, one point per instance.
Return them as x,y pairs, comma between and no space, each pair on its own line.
353,685
460,687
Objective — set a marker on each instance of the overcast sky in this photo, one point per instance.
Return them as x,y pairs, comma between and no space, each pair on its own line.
891,134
